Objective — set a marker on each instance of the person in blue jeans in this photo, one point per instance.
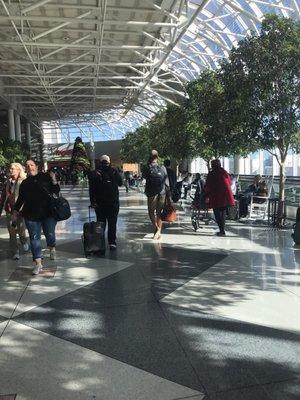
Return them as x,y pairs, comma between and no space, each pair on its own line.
34,203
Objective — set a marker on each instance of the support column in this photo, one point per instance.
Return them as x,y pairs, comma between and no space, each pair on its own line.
28,137
238,165
18,126
11,124
28,134
247,166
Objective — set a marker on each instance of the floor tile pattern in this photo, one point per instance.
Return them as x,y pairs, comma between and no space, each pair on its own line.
192,316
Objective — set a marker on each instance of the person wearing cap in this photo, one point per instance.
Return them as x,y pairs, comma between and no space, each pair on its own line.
155,190
104,185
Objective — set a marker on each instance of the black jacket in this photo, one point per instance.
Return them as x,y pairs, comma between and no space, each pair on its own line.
104,186
172,177
33,200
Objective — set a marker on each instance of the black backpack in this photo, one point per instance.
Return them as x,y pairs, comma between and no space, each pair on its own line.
296,233
154,180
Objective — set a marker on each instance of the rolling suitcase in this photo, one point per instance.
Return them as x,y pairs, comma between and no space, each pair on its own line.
93,237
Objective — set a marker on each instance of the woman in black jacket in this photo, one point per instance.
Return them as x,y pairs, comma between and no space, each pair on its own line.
34,203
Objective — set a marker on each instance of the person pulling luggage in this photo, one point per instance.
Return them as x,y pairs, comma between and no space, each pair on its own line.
104,185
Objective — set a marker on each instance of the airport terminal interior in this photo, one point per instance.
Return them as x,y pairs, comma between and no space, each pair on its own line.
192,315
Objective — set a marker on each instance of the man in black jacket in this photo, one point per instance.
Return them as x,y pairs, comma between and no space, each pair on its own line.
104,185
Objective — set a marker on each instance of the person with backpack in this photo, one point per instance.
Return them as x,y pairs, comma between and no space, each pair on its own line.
155,191
104,185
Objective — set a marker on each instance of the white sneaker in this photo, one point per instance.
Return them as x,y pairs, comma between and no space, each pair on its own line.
52,253
16,256
25,247
37,269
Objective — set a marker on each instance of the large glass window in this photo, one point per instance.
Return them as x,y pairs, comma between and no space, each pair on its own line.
268,163
289,164
254,163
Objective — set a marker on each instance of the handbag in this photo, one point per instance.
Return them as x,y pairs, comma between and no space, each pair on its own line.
168,213
60,208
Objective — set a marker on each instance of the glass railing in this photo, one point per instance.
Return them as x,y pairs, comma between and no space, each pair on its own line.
292,188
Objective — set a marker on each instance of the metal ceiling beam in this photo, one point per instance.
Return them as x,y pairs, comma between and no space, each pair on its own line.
82,30
31,59
66,87
67,63
280,6
58,27
70,74
98,95
84,7
63,46
4,27
112,77
34,6
87,64
65,102
236,7
155,68
80,20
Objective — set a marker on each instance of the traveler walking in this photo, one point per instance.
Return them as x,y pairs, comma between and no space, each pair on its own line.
34,200
8,199
219,193
127,180
155,191
104,185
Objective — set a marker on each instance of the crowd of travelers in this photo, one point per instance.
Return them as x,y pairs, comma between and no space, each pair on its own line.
26,193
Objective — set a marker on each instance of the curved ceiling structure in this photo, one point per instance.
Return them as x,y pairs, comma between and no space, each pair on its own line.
99,68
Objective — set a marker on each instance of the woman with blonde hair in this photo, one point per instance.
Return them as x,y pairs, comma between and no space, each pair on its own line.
9,196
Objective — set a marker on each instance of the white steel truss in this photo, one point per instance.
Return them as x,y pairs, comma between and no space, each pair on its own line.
99,68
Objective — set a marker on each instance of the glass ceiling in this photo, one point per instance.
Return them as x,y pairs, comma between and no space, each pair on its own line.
98,70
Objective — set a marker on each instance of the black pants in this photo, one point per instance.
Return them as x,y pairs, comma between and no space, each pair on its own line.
108,213
244,202
220,216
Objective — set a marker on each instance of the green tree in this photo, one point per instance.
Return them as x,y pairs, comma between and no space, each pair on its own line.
213,130
177,141
262,80
135,145
12,151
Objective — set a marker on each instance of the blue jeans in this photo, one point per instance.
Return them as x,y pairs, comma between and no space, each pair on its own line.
34,230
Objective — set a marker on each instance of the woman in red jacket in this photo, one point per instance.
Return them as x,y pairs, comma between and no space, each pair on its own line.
218,190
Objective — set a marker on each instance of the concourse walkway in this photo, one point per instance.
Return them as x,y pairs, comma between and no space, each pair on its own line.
191,316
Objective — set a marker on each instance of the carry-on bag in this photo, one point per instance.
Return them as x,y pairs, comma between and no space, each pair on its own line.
93,237
168,213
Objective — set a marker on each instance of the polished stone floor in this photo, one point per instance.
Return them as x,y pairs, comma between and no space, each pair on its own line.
191,316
